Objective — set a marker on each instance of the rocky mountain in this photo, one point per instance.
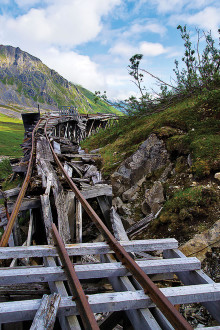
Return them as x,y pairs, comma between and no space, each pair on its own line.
26,81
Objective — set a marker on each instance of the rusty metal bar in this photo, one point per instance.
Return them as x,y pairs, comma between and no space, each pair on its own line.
80,298
170,312
10,224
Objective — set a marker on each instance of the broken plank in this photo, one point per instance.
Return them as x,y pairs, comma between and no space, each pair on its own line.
138,226
46,315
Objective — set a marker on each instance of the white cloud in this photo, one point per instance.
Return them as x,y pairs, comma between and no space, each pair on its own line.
27,3
124,49
65,23
137,29
171,6
74,67
208,19
152,49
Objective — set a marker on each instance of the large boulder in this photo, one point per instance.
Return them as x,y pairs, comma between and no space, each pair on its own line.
155,197
151,156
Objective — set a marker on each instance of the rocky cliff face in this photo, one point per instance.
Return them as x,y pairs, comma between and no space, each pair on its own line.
152,184
25,80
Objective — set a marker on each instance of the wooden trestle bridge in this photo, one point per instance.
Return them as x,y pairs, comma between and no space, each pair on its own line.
72,268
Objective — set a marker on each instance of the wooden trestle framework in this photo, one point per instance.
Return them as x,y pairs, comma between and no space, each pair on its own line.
39,266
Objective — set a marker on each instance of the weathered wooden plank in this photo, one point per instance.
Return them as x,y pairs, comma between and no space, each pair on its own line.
105,208
66,322
46,315
78,221
59,196
9,193
109,302
27,204
117,226
140,225
56,147
70,205
68,169
87,248
47,216
96,191
195,277
140,319
101,270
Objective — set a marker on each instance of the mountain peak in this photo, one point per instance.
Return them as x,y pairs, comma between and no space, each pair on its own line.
25,80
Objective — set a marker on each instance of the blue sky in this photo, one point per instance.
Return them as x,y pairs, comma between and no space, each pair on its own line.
90,42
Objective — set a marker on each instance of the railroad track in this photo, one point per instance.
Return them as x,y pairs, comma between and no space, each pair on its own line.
146,306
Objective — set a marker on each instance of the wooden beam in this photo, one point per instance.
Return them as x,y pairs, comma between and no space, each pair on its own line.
78,221
66,322
27,204
117,226
100,270
87,248
105,208
46,315
195,277
9,193
115,301
97,190
47,216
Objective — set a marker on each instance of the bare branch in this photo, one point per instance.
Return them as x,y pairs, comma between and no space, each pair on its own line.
159,79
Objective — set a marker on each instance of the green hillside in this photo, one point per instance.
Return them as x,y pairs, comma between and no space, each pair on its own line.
26,81
99,105
190,126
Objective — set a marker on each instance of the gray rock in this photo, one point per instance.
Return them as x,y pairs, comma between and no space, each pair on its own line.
155,197
145,208
130,194
151,156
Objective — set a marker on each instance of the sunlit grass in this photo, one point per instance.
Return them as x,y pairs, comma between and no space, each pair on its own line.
11,136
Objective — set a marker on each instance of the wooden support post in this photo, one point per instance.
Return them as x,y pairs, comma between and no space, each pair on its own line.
17,234
71,209
47,216
46,315
69,322
78,222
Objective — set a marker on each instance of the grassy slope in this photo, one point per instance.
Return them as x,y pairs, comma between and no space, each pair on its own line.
187,128
99,106
11,135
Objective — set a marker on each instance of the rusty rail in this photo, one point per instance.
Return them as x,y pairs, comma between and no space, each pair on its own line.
80,298
171,313
10,224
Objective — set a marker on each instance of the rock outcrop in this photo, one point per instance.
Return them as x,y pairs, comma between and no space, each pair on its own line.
151,156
